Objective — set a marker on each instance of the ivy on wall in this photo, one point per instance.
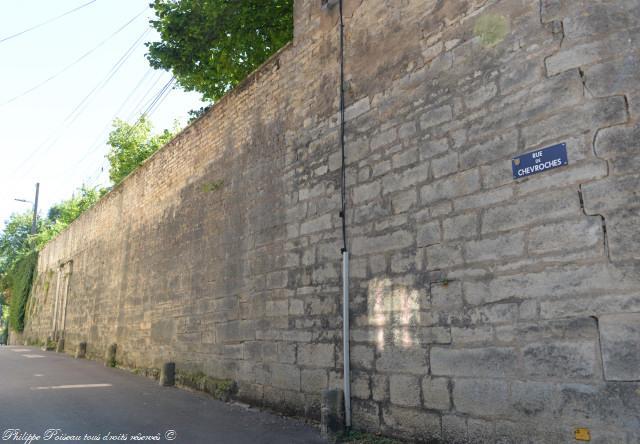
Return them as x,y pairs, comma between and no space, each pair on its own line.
4,321
20,281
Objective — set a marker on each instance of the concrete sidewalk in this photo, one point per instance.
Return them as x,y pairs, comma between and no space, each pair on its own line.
40,391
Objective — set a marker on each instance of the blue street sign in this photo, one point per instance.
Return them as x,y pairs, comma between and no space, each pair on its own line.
540,160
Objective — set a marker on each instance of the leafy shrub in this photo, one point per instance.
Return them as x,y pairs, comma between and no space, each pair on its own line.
20,281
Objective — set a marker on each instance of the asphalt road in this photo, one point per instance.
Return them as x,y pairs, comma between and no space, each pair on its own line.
40,391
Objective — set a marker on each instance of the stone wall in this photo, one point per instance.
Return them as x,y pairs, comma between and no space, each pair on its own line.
484,309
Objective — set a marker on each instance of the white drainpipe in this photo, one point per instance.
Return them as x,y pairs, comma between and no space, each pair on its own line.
345,338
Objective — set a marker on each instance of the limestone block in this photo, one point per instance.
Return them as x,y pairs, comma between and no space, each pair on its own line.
446,294
435,393
597,113
380,387
384,138
378,244
502,146
441,256
365,414
356,109
559,282
313,381
471,335
433,335
285,376
429,234
405,178
405,158
411,360
431,148
366,192
454,429
360,385
362,356
621,145
445,165
623,234
620,344
561,359
405,390
585,232
530,210
318,224
611,193
481,397
316,355
608,404
591,51
463,183
479,431
498,248
412,423
436,116
550,95
614,77
463,226
474,362
483,199
533,399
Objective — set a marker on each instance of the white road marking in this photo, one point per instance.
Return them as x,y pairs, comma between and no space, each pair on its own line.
20,350
34,356
38,375
62,387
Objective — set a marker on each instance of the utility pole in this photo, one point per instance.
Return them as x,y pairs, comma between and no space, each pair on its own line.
35,210
34,222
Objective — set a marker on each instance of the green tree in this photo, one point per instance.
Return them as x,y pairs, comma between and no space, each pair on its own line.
4,321
19,281
15,240
131,145
211,45
62,214
19,250
17,265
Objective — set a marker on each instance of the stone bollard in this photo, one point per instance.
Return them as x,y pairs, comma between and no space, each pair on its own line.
332,414
60,345
48,344
81,351
110,358
168,374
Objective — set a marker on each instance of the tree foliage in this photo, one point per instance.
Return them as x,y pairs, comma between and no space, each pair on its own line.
131,145
195,114
211,45
16,249
19,283
4,322
62,214
19,249
15,240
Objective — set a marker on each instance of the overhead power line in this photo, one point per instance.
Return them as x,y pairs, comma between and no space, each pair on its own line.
142,100
112,72
164,92
152,105
77,111
100,139
135,88
136,110
46,22
72,64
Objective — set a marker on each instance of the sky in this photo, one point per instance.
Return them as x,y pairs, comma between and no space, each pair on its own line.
61,86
